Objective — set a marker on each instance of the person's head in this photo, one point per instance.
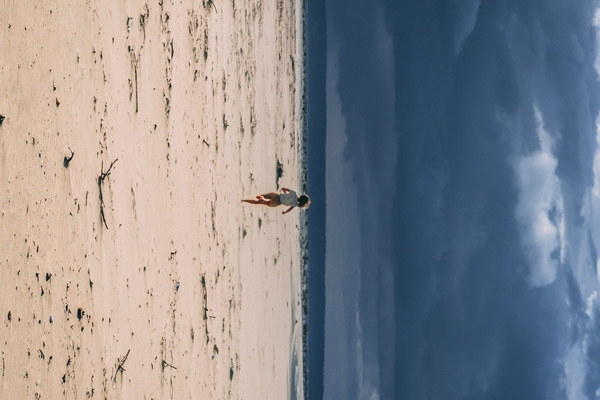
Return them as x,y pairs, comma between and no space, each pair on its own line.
303,201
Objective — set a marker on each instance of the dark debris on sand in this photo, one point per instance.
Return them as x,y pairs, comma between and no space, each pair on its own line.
278,173
68,159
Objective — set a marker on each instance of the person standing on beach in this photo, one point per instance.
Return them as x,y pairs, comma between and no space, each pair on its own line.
286,197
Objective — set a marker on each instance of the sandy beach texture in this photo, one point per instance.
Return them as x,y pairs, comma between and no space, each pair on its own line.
130,269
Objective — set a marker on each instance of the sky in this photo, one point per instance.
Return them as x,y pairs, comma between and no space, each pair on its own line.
462,199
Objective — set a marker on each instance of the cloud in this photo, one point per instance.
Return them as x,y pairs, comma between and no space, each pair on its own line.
539,209
367,373
582,361
590,210
537,185
343,252
361,160
595,190
464,220
596,23
575,372
590,303
466,17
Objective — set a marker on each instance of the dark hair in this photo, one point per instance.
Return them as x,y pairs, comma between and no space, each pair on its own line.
302,200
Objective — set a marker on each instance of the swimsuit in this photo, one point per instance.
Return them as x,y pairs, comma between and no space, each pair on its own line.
289,199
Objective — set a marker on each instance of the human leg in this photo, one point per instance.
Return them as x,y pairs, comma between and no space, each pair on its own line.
273,199
263,202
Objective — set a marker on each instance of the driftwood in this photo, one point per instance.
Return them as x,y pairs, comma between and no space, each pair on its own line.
165,364
67,160
205,307
101,178
120,363
210,3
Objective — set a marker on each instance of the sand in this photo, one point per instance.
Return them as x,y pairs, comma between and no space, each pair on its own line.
129,269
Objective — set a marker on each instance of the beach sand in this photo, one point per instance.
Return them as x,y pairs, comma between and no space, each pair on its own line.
130,269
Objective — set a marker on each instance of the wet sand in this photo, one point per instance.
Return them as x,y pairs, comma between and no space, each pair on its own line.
129,269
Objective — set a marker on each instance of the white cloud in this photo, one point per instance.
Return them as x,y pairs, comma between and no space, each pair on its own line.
539,210
590,303
596,22
575,371
591,207
343,254
577,358
368,375
466,17
596,187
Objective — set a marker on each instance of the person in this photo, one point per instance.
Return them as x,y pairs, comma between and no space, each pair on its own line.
286,197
